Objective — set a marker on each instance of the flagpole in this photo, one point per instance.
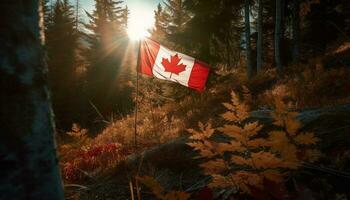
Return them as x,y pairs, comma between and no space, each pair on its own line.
137,92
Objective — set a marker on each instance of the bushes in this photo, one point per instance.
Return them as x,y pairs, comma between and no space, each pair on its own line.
84,157
242,157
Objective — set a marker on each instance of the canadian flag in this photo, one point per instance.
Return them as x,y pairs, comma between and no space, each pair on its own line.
158,61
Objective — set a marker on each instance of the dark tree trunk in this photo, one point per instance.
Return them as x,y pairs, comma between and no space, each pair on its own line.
247,38
260,37
278,25
29,166
296,31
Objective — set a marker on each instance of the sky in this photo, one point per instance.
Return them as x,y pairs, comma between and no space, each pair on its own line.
141,15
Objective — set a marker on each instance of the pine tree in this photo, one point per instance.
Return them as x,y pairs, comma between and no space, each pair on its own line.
160,24
260,36
247,39
62,43
296,30
106,37
29,167
278,34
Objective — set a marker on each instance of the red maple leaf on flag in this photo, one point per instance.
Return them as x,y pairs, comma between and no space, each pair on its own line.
173,66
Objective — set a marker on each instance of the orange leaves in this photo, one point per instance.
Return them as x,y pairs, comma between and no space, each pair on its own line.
237,111
265,160
306,139
233,131
289,142
250,157
239,160
251,129
214,166
220,181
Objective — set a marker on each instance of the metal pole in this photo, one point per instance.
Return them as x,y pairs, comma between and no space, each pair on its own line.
137,92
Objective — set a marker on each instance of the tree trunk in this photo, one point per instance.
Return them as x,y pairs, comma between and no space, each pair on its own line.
278,24
296,31
29,166
260,37
247,38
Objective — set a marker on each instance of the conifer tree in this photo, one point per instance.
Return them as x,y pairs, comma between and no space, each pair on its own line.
161,20
296,30
62,42
106,39
247,39
260,37
278,34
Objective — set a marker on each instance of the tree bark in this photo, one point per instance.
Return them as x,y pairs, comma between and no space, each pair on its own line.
278,25
247,38
296,31
260,37
29,166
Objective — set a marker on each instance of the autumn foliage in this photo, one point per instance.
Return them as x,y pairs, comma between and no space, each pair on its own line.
249,156
84,158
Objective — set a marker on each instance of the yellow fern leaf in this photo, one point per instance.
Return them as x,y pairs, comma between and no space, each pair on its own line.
202,149
232,131
306,139
251,129
244,178
230,116
259,142
214,166
233,146
229,106
292,125
239,160
265,160
219,181
281,144
247,96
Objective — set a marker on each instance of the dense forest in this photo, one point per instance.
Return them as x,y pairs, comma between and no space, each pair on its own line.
271,123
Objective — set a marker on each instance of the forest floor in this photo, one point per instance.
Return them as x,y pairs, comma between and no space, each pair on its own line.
174,166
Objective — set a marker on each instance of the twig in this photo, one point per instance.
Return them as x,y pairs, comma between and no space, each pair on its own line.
99,113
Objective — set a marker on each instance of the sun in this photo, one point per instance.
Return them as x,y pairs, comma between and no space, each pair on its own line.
140,22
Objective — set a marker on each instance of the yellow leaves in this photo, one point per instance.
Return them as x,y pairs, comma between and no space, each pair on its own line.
203,150
233,146
256,143
306,139
205,132
239,160
251,129
159,191
292,125
219,181
214,166
232,131
244,179
288,151
265,160
250,157
237,111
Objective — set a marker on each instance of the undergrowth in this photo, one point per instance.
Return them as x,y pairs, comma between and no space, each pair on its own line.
239,155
